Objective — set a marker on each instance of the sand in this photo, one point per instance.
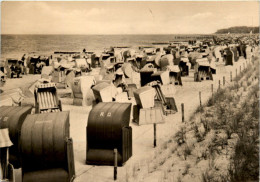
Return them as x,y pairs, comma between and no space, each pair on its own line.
142,135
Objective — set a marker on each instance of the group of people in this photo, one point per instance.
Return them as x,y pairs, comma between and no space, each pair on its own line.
226,53
230,53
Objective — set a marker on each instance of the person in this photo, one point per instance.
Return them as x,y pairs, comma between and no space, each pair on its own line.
84,50
23,57
239,50
88,59
12,69
18,69
39,66
173,51
224,55
244,50
177,59
212,62
157,57
235,52
229,56
177,53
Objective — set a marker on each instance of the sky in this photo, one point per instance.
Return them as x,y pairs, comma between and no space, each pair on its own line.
154,17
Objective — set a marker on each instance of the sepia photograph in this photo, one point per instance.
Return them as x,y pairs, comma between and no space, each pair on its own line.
129,91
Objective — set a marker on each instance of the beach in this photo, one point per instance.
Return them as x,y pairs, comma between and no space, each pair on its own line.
143,149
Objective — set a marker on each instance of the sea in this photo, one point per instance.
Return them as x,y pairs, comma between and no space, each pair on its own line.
14,46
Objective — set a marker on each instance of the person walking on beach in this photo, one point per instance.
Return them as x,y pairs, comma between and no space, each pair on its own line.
235,52
229,56
24,64
243,48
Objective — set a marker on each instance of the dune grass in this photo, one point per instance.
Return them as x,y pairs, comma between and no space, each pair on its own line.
226,126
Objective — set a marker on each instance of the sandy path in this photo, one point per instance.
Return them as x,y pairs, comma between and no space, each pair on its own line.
23,82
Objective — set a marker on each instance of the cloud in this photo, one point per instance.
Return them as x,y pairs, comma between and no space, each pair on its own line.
202,15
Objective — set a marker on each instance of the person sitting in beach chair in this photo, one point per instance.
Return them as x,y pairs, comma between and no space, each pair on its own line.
20,66
39,66
12,68
18,69
15,70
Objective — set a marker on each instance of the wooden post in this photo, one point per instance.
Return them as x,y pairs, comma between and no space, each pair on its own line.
182,112
223,81
4,163
115,164
200,98
212,89
230,76
154,134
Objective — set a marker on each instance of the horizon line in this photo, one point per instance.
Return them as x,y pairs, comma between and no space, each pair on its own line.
109,34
